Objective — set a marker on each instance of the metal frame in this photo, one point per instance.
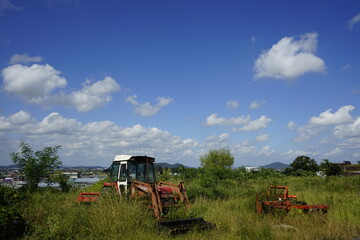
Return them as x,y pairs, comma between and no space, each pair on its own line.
278,197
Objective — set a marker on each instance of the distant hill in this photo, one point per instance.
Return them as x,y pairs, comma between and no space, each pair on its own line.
276,165
168,165
9,167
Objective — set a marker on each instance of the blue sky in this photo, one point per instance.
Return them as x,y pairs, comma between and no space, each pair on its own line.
270,80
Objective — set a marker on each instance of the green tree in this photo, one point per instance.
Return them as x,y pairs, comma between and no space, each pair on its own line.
302,165
330,169
38,165
217,158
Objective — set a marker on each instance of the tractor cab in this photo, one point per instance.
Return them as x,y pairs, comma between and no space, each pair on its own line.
126,168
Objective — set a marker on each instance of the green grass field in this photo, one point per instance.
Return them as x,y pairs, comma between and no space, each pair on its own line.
231,206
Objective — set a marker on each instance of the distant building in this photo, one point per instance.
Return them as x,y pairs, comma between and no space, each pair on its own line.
252,169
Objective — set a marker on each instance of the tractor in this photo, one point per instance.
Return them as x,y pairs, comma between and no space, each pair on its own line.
134,177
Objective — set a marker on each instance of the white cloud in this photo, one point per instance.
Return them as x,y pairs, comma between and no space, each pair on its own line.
291,125
54,123
307,132
345,67
146,109
218,138
15,122
266,151
256,124
32,83
7,5
292,154
318,124
334,152
232,104
256,104
245,149
37,84
213,119
351,130
90,97
342,115
96,142
354,20
262,137
290,58
253,39
24,58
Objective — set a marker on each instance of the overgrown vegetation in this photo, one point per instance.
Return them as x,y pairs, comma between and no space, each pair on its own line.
220,195
38,165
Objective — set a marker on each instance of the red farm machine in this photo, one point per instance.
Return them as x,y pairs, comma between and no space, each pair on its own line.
278,198
134,177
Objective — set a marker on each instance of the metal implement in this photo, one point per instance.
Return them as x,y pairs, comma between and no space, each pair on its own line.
184,225
134,177
278,198
88,197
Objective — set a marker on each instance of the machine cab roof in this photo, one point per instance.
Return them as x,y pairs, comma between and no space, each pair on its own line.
133,158
126,168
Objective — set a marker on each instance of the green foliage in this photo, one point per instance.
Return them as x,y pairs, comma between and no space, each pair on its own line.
330,169
12,225
36,165
62,180
217,158
56,215
302,166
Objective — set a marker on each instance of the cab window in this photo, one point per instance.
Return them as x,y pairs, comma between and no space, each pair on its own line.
114,171
122,173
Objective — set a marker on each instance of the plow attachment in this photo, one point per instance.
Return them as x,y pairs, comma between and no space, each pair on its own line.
278,198
88,197
184,225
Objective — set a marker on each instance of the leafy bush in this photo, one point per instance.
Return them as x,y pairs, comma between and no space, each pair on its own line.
12,225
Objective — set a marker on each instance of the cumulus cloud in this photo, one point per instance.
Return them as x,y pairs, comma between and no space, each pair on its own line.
307,132
256,104
334,152
351,130
256,124
218,138
246,149
15,122
340,119
146,109
353,21
90,97
290,58
213,119
295,153
342,115
37,84
24,58
262,137
95,142
291,125
32,83
232,104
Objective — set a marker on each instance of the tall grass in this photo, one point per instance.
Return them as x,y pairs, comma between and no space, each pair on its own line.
231,207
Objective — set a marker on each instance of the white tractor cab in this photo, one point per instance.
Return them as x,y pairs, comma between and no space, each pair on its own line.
126,168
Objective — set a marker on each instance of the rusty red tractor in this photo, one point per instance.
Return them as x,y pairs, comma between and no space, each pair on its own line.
278,198
134,177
